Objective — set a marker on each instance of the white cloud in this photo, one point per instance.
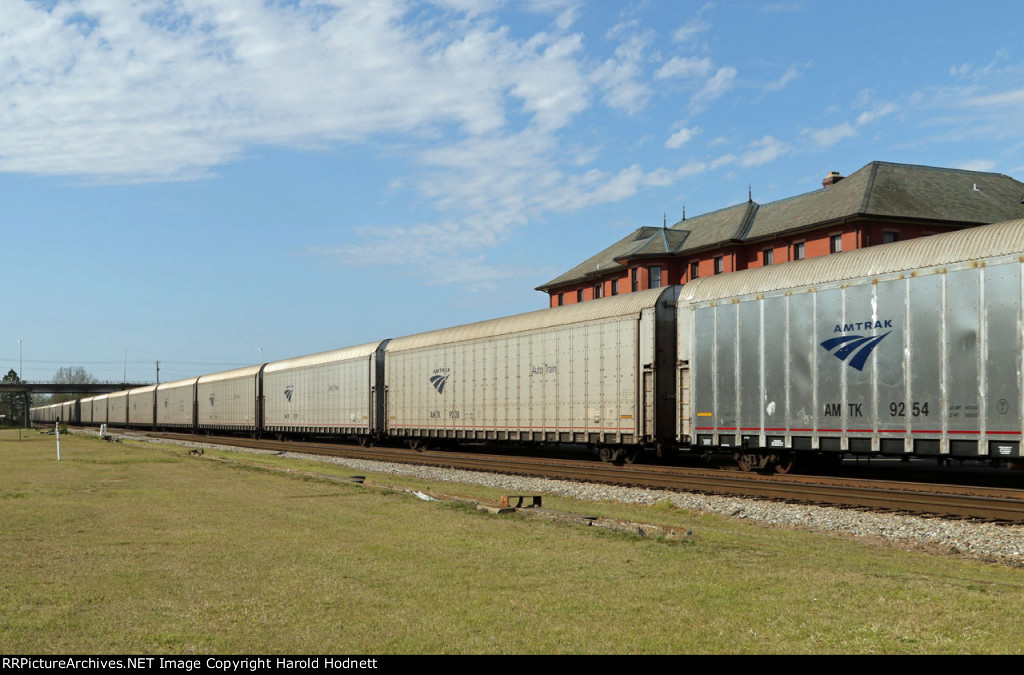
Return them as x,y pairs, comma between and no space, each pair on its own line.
620,76
791,74
829,136
783,7
487,186
128,92
681,137
566,11
1007,98
689,30
969,71
551,86
877,112
826,138
714,88
724,160
960,71
685,67
763,151
977,165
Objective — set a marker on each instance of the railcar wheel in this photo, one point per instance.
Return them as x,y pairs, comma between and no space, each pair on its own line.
606,454
785,462
415,444
745,462
630,456
365,441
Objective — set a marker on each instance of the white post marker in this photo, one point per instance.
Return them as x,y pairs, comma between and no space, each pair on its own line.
58,439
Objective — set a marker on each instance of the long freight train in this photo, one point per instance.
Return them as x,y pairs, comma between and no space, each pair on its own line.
906,349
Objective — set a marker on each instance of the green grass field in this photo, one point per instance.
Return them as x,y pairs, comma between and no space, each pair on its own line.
136,548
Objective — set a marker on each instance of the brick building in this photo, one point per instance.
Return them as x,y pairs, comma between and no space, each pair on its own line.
880,203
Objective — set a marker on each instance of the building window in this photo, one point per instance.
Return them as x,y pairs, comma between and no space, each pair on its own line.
561,299
798,251
635,279
767,256
719,265
835,243
579,295
615,286
890,237
694,270
597,291
654,277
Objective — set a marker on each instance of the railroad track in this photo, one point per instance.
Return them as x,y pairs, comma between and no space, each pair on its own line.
986,503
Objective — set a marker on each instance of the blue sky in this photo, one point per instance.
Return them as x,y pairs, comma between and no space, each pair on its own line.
194,179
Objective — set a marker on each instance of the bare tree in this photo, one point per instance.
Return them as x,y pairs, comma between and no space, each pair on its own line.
69,375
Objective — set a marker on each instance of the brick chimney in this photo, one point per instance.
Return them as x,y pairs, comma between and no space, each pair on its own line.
831,179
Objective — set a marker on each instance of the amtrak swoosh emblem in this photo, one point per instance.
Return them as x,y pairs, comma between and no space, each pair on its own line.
439,381
855,347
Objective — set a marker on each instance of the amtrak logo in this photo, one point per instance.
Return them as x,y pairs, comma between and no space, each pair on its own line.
288,393
439,381
857,347
211,398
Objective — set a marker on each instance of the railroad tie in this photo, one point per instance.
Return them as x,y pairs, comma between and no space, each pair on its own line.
535,501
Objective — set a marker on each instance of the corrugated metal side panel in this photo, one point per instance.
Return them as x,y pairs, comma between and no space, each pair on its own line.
227,401
177,383
99,409
576,382
324,357
941,249
140,405
117,408
247,371
595,310
175,403
328,394
85,409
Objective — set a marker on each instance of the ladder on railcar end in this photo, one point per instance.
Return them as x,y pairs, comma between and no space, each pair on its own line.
647,431
685,400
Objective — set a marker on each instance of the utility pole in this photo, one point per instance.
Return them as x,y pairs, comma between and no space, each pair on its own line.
24,399
158,372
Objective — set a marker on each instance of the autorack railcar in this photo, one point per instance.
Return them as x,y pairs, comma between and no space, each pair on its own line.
100,409
334,393
85,409
142,407
229,400
912,348
176,404
598,373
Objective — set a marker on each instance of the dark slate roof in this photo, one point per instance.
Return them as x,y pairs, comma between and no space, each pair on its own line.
659,243
886,190
880,189
605,260
717,227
